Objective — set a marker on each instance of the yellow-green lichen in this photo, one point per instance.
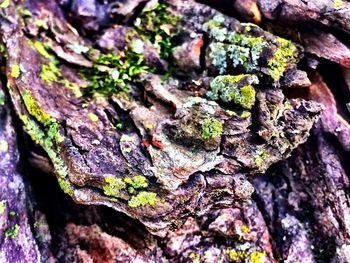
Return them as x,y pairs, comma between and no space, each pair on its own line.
66,186
15,71
113,186
50,73
35,109
286,53
236,255
211,128
48,136
3,146
93,117
238,49
245,229
2,207
245,114
260,156
5,4
257,257
195,257
227,89
12,232
338,3
42,50
136,182
143,198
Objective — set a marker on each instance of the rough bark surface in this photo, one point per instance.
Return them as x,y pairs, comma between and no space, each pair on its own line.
159,120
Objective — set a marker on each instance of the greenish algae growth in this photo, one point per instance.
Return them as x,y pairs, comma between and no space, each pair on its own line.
285,53
2,207
15,71
2,98
211,128
12,232
226,88
113,186
5,4
143,198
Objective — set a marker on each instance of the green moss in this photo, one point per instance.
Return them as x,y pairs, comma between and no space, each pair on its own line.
143,198
112,73
2,207
15,71
159,27
113,186
2,98
5,4
286,53
211,128
12,232
226,88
